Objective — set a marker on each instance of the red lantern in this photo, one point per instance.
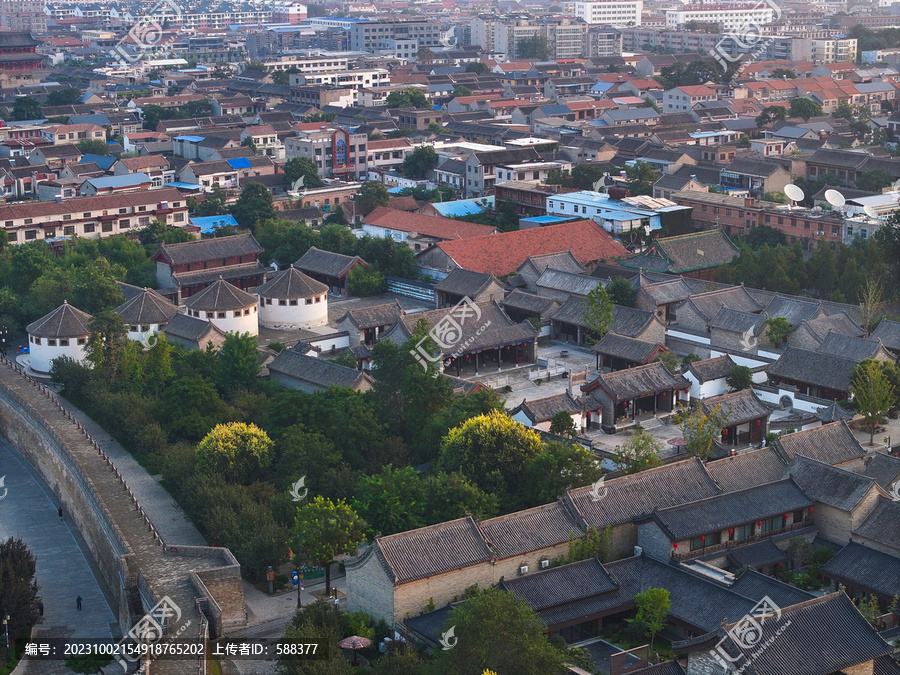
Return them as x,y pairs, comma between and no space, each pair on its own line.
787,515
759,524
664,394
731,531
703,538
675,545
757,422
725,432
810,509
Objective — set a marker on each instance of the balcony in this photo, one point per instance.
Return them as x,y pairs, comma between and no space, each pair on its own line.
728,545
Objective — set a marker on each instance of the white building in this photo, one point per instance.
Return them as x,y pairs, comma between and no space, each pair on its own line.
728,17
225,306
615,13
62,332
833,50
349,79
146,313
291,300
529,171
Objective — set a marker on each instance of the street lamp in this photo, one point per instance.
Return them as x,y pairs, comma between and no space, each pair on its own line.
6,635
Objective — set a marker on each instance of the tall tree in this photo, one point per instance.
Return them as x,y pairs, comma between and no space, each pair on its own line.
701,430
237,452
107,343
324,529
871,302
873,393
253,206
641,177
640,452
533,47
419,162
238,362
93,146
555,469
302,166
621,292
874,180
652,609
805,108
598,313
26,108
371,195
158,371
739,378
18,588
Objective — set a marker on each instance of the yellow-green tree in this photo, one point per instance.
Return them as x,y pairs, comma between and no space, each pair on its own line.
236,451
324,529
701,429
873,392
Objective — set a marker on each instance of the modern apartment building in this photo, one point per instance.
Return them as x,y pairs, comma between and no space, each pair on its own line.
728,17
337,153
614,13
346,79
367,36
833,50
603,41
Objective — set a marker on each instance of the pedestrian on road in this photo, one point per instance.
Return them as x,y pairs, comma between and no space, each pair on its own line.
78,603
41,609
59,511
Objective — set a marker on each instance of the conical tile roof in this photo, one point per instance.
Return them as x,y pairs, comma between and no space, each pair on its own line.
147,307
220,295
291,283
64,321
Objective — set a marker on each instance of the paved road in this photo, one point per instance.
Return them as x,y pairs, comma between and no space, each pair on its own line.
63,568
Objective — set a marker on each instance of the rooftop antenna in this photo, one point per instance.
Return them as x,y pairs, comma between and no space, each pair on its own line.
837,200
794,193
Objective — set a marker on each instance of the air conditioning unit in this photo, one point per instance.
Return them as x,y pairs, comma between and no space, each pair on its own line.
523,569
545,564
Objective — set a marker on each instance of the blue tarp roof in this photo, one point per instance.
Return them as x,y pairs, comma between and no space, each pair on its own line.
192,139
239,163
119,181
184,186
544,219
210,223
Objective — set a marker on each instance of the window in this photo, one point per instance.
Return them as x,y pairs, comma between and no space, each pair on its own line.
9,223
49,234
107,227
64,342
28,221
221,315
282,303
247,311
124,223
123,210
31,234
210,315
178,217
293,303
773,524
318,298
89,227
743,532
82,341
51,343
69,230
309,301
12,236
268,301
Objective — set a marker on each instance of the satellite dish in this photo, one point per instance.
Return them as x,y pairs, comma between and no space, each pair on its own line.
870,211
835,198
851,212
793,193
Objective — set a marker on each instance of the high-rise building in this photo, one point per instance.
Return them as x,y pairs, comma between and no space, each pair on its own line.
613,13
367,36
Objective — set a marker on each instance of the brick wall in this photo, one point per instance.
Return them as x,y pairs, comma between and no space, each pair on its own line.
653,541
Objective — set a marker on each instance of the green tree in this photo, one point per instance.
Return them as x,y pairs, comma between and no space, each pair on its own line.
407,98
562,424
490,450
364,282
669,360
419,162
213,204
784,73
158,371
776,197
777,329
93,146
621,292
533,47
772,113
594,544
26,108
95,288
640,452
67,96
461,90
391,501
845,110
238,362
653,607
739,377
874,180
106,344
319,621
27,262
371,195
449,496
873,393
254,205
555,469
871,302
499,631
805,108
397,662
324,529
478,67
598,313
302,166
701,430
189,408
641,177
744,141
18,588
237,452
301,452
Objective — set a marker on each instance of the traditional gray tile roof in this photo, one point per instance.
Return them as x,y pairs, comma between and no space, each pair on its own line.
559,586
667,292
884,469
793,309
63,322
334,265
736,321
575,284
809,367
830,443
665,668
757,555
543,409
627,348
564,261
530,530
736,297
228,272
376,315
889,333
432,550
630,322
755,585
686,252
881,524
739,406
190,328
209,249
839,323
853,348
623,385
831,485
754,167
639,494
708,370
834,413
147,307
748,469
811,624
220,295
718,513
316,371
291,283
465,282
864,567
530,303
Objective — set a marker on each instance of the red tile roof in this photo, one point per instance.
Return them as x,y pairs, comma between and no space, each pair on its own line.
430,226
502,253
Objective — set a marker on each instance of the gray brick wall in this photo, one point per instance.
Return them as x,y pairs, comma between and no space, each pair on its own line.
654,541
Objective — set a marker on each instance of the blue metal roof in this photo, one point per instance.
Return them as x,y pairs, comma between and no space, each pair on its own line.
543,220
183,186
119,181
103,161
211,223
191,139
239,163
